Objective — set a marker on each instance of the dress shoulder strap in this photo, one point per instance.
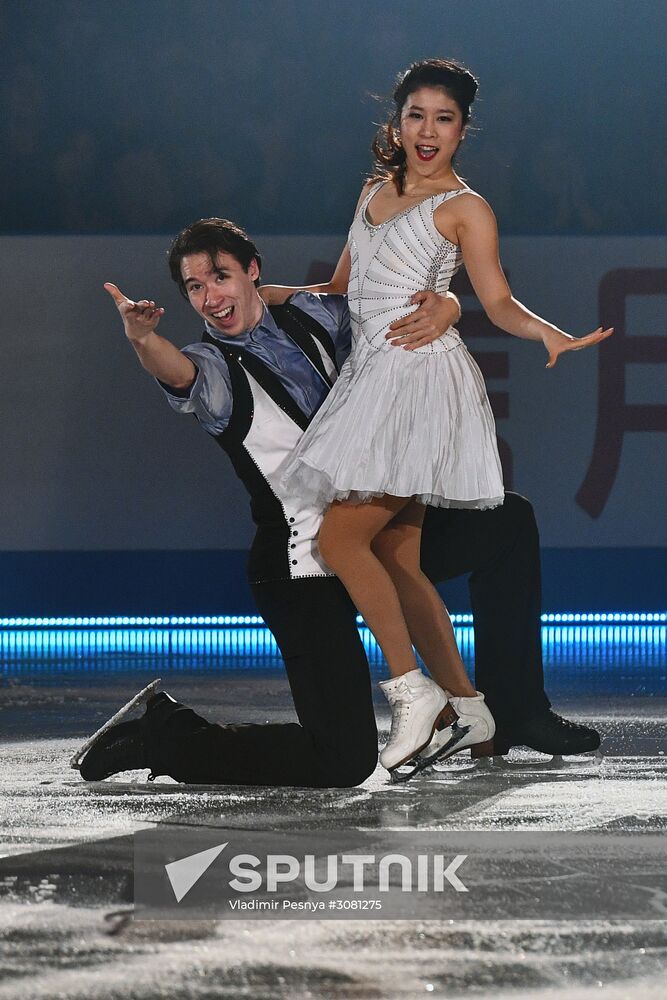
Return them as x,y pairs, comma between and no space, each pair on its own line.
449,195
361,211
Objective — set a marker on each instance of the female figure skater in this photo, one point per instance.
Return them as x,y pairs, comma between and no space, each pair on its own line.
401,429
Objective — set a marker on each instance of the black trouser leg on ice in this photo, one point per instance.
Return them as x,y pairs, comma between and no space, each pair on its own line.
500,549
335,742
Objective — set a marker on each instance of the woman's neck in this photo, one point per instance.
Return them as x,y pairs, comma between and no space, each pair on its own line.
416,185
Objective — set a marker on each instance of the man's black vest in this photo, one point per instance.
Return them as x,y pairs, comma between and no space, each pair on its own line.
264,427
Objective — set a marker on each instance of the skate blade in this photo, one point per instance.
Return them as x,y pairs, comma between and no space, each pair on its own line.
138,699
554,764
420,764
567,762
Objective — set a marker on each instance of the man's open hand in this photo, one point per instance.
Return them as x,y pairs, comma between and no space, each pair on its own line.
139,318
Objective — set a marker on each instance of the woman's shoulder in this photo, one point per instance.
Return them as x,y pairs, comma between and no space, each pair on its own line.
461,210
463,201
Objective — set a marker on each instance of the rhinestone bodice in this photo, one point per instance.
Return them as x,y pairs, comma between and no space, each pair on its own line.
392,261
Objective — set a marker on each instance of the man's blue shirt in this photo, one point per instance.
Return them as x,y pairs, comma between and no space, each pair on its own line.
210,396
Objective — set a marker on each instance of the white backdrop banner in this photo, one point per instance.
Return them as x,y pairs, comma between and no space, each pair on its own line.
93,458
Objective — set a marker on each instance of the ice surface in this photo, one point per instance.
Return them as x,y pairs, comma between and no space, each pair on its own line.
65,881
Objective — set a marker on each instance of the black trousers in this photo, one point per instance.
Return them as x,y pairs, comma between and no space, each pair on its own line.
313,620
500,549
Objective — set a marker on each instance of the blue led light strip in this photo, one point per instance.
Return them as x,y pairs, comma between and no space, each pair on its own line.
109,621
171,621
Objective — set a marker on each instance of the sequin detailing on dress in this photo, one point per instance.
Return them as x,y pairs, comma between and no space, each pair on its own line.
406,423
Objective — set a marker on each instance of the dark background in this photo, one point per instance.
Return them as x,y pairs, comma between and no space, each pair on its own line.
134,118
131,116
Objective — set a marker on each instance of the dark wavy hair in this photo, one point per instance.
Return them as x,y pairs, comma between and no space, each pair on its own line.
211,236
457,81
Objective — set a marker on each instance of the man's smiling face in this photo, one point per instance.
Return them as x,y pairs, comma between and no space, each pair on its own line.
222,292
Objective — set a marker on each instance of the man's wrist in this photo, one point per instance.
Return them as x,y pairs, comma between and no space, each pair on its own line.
138,337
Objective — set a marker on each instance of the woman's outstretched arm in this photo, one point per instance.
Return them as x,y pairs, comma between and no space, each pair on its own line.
477,235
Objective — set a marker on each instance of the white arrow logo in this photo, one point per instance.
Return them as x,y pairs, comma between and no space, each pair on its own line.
185,872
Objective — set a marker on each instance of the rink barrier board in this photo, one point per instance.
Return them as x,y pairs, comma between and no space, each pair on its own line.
214,582
206,621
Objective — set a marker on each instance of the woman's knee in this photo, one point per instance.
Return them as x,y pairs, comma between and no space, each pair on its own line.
334,546
341,539
348,528
397,550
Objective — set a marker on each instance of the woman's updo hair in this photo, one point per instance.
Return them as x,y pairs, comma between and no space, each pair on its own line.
450,76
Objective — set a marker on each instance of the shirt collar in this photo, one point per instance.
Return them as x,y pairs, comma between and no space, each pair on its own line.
267,324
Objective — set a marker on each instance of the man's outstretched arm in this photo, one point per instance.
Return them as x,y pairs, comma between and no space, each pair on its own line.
158,356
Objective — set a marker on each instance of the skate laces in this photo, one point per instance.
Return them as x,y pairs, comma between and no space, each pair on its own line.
401,692
560,721
400,706
399,718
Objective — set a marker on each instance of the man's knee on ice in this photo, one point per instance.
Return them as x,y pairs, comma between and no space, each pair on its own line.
351,769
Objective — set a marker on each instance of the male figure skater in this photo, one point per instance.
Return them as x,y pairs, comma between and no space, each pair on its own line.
253,383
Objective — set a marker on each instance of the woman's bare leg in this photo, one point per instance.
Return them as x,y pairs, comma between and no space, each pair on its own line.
397,547
345,544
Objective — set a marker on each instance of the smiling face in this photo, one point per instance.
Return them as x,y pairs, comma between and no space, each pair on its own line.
223,293
431,130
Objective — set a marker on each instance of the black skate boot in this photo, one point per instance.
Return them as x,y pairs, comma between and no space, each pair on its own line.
123,745
546,733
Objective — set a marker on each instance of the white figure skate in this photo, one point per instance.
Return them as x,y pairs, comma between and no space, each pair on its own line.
417,704
469,724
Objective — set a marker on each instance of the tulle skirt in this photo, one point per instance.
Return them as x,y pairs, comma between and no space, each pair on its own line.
405,423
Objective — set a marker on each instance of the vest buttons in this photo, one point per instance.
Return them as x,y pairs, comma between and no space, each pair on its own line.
292,546
294,562
294,534
292,520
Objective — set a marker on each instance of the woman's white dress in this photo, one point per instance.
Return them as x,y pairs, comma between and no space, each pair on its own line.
407,423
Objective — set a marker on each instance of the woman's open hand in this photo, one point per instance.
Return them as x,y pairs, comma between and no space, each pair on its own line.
558,343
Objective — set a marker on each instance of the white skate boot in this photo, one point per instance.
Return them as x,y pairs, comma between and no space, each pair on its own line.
417,704
469,724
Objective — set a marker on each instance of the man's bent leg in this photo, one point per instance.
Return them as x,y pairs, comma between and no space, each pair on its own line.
315,625
500,549
335,744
